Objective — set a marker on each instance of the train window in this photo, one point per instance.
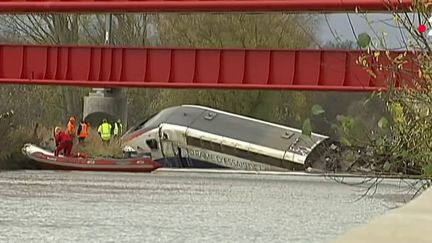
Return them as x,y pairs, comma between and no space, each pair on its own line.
228,150
165,136
287,135
152,143
210,116
206,144
193,141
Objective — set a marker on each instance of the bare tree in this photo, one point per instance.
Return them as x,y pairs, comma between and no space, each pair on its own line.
49,29
128,29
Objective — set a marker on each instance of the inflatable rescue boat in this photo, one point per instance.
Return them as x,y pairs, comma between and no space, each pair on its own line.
45,159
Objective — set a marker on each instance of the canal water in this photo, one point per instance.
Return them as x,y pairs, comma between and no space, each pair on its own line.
51,206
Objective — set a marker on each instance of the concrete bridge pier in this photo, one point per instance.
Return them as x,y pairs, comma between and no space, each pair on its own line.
105,103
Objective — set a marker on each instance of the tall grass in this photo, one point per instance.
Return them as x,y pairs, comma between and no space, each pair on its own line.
11,143
94,146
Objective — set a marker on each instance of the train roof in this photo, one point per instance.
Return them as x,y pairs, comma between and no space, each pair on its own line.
234,126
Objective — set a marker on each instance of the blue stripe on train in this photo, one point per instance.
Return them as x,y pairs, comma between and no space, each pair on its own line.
187,163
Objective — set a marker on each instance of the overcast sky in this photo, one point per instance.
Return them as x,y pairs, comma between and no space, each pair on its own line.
379,22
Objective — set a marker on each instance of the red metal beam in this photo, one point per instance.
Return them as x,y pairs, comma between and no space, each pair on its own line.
186,68
201,5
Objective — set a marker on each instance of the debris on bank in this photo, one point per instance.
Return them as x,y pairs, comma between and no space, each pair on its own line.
362,160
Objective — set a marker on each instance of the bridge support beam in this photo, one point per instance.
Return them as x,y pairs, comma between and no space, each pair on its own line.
116,67
10,6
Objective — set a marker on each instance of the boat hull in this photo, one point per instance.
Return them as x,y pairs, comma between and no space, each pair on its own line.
46,160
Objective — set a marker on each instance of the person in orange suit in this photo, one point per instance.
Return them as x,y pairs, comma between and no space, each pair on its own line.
71,127
63,142
83,131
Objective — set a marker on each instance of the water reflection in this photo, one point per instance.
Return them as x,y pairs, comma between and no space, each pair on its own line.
42,206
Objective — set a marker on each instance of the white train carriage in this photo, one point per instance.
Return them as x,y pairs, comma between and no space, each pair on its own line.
201,137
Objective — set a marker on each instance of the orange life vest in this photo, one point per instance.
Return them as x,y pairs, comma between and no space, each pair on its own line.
71,128
84,131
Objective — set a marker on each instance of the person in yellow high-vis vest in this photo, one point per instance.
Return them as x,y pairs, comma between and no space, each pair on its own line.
104,131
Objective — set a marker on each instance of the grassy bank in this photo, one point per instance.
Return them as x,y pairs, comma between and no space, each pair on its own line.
13,138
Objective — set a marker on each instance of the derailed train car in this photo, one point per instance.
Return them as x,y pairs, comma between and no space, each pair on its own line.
200,137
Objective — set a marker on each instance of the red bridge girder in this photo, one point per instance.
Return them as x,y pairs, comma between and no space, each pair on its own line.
200,5
187,68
